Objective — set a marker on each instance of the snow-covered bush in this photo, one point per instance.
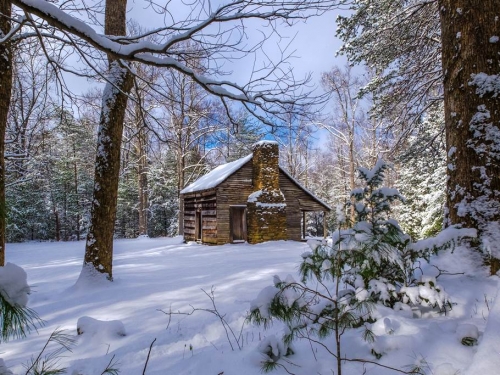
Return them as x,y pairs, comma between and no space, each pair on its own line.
16,319
372,261
379,260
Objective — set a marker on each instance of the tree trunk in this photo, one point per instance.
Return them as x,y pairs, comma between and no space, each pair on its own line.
99,246
181,170
471,60
77,194
5,95
57,223
352,172
142,142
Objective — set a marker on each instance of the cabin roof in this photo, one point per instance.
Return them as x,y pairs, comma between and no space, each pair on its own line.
216,176
220,174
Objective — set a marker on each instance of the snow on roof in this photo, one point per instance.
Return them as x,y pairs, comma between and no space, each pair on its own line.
216,176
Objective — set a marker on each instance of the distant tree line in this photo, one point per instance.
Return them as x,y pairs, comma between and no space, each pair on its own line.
110,163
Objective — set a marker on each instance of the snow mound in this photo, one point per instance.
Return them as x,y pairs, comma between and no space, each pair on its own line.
487,359
92,327
445,369
263,300
14,287
3,368
90,279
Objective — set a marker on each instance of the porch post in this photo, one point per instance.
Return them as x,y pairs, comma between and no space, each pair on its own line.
303,225
324,225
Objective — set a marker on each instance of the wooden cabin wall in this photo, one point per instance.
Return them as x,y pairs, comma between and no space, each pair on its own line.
234,191
205,204
214,206
189,218
297,200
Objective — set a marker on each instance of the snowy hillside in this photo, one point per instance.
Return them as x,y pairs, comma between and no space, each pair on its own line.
165,274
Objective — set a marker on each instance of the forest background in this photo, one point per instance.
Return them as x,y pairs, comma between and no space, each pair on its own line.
66,152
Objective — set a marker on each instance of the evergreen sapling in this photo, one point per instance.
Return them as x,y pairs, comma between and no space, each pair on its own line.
372,261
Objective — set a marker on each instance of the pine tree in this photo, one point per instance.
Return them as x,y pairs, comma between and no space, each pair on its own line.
49,187
163,196
372,261
423,51
422,178
400,44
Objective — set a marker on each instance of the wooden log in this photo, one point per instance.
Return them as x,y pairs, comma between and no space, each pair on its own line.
209,212
206,227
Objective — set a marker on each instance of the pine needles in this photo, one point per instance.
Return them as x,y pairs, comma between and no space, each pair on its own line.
47,362
16,321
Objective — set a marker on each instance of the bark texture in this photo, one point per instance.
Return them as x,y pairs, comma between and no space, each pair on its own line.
471,64
5,95
99,246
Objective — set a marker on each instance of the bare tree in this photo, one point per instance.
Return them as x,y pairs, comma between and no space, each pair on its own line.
295,137
99,247
184,115
218,31
141,150
349,124
28,113
183,119
5,92
137,138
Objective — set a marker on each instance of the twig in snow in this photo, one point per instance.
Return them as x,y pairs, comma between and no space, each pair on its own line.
147,359
227,328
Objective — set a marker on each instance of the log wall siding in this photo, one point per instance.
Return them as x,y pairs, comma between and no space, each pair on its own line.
234,191
205,204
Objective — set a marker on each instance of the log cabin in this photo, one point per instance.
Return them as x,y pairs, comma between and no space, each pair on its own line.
251,199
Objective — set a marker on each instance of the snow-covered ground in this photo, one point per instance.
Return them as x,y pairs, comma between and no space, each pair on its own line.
164,274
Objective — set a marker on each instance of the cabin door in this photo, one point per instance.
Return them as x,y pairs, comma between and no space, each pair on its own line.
238,219
198,227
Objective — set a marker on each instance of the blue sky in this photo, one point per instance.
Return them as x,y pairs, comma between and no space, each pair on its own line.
313,44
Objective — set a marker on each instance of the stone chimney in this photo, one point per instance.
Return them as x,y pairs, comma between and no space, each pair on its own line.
266,208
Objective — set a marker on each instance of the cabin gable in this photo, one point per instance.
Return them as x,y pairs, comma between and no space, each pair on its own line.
298,202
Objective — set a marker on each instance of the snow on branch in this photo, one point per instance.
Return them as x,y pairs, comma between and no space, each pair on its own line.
450,235
221,34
